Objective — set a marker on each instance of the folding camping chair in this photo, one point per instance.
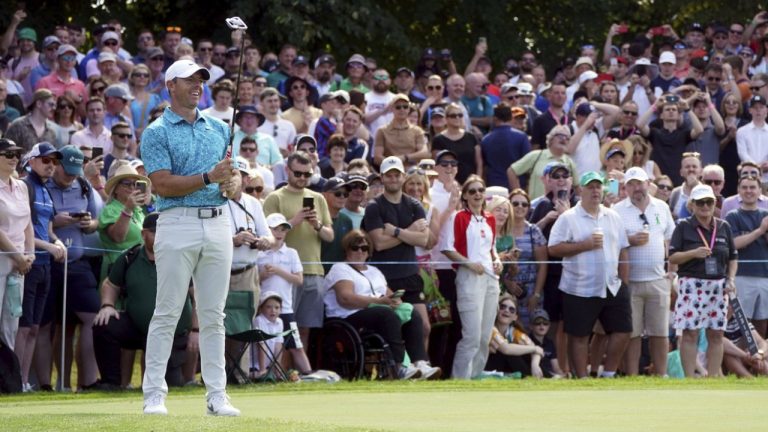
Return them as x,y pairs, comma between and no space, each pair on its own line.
238,324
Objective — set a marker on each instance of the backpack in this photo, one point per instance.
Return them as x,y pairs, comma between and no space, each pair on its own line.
10,372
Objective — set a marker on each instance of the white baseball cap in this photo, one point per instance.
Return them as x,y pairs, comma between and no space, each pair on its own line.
667,57
276,219
702,191
185,69
586,76
390,163
635,173
242,164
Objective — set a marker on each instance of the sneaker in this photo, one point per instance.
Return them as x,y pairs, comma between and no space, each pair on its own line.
218,405
155,404
27,388
428,372
410,372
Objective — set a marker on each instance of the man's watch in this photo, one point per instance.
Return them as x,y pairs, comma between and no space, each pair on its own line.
396,233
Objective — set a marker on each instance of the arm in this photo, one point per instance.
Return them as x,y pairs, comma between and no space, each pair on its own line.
10,32
464,261
642,121
169,185
608,42
291,278
422,150
745,240
434,229
416,234
382,241
373,115
348,299
573,143
378,149
624,265
480,50
22,260
610,113
109,294
479,160
514,181
697,128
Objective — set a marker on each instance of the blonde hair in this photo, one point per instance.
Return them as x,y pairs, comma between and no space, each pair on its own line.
426,199
498,201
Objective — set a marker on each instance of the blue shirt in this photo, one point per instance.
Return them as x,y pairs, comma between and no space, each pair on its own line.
171,143
71,200
502,147
269,153
44,212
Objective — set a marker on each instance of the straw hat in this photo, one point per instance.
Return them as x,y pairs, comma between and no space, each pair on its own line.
124,172
624,145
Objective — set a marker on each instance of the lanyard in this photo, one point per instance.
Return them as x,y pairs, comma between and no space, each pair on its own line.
712,239
557,118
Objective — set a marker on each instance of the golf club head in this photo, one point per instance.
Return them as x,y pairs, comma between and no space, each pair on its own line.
235,23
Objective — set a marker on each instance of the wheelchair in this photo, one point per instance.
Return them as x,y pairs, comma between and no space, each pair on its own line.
352,353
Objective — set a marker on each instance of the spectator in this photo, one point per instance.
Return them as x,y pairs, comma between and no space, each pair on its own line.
734,202
737,358
360,294
250,120
356,69
751,139
477,103
143,100
670,137
324,74
749,224
222,109
534,162
434,98
27,60
626,120
95,135
144,42
285,58
702,267
708,143
134,276
7,112
641,156
404,83
690,170
63,80
16,236
301,112
462,143
470,244
205,58
400,138
455,89
42,161
591,122
555,116
66,122
281,130
254,186
378,110
733,118
47,62
437,124
156,62
121,219
77,209
311,225
35,127
354,206
334,164
511,350
538,334
328,122
528,284
594,286
336,194
714,177
650,223
249,151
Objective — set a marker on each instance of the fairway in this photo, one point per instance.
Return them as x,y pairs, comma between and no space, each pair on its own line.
593,405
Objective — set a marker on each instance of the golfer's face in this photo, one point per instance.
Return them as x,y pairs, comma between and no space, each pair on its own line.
187,91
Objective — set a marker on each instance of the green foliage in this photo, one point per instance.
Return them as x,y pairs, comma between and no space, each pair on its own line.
396,31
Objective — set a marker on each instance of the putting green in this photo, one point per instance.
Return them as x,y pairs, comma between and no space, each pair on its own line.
648,405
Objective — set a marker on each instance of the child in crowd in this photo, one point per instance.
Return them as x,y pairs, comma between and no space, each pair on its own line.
280,270
538,333
268,320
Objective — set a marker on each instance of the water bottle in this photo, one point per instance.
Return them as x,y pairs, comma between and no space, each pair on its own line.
13,286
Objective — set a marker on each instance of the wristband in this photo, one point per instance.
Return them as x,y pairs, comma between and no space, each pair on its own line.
107,305
194,330
126,214
99,188
206,180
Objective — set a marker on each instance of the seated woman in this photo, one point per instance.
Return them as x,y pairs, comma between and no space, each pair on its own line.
511,348
358,293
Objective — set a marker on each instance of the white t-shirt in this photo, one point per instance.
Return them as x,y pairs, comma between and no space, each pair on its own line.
282,131
480,240
375,102
287,259
269,327
371,283
587,153
440,200
253,220
225,116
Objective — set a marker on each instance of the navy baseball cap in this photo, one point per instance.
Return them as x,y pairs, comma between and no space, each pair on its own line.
554,166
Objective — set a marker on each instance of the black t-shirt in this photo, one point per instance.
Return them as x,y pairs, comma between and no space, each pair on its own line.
541,127
686,237
668,148
620,133
465,151
550,353
554,268
403,214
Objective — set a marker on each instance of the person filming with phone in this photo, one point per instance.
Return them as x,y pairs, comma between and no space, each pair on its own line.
359,294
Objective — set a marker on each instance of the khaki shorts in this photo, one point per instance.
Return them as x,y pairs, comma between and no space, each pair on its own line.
650,307
247,281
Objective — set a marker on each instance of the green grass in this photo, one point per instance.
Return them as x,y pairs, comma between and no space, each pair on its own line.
637,404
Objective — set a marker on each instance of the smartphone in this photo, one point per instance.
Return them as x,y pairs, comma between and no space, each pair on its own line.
640,70
657,31
397,294
141,185
308,202
613,187
562,195
672,99
623,28
96,152
78,215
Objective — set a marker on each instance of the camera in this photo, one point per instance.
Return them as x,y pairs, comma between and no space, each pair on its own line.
241,229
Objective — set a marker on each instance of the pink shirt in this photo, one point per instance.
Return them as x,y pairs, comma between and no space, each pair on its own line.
31,62
14,211
57,86
86,137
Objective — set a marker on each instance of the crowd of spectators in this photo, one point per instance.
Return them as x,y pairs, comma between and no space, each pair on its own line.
590,218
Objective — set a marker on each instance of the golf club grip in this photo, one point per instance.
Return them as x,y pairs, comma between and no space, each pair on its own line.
741,320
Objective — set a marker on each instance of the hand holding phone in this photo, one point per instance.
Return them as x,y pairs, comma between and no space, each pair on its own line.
397,294
141,185
613,187
308,202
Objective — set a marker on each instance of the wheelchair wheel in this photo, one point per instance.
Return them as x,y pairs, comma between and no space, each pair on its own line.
378,355
340,349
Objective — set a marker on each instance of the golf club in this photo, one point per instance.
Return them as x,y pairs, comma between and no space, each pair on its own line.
235,23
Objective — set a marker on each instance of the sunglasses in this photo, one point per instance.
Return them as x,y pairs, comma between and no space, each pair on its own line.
522,204
11,154
173,29
630,113
140,75
738,32
252,189
247,149
308,149
665,187
47,160
260,83
714,79
474,191
339,194
305,174
708,202
448,163
712,182
756,88
97,89
380,77
110,43
508,308
157,58
68,58
559,176
123,135
402,107
453,116
360,248
356,185
128,183
430,88
64,106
